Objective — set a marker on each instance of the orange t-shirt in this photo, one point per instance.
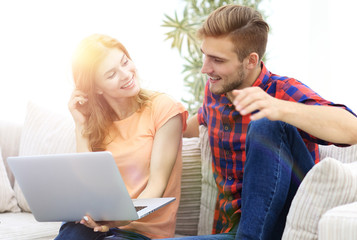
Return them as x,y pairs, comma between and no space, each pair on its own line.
131,149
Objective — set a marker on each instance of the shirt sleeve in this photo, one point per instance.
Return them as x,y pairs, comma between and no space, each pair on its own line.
164,108
294,90
201,119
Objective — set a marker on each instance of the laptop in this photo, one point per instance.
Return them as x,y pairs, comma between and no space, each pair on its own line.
66,187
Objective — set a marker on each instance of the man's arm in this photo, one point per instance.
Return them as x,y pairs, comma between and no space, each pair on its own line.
332,124
192,129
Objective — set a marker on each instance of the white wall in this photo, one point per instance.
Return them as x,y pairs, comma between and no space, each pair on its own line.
38,38
311,40
315,41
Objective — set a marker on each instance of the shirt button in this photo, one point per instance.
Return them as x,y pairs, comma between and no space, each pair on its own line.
226,127
230,198
229,178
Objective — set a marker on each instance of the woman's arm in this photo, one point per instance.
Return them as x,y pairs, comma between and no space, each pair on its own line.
166,145
76,107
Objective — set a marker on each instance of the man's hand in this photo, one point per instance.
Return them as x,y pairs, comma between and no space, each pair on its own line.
251,99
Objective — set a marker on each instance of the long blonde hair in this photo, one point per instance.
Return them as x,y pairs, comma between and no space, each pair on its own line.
99,115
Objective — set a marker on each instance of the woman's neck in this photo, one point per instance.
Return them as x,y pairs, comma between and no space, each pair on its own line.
125,108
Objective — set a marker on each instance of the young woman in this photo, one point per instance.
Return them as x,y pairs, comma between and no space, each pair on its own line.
142,129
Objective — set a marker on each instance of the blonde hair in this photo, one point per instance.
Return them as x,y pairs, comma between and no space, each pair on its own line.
244,25
99,115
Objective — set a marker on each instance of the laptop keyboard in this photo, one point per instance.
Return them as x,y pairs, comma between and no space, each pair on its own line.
138,208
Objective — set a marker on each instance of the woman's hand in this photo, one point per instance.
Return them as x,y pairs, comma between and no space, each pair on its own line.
102,226
76,106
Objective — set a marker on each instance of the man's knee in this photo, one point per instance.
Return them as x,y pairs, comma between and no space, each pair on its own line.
264,125
265,129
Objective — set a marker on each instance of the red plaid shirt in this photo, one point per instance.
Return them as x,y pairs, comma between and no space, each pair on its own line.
227,133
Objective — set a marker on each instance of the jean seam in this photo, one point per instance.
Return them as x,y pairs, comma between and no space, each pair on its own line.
276,174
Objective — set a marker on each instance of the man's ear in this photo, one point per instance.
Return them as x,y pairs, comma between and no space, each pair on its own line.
252,60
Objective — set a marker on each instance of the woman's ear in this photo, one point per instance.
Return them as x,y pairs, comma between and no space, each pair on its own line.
252,60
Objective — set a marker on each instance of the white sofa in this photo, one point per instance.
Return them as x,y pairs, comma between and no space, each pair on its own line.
313,211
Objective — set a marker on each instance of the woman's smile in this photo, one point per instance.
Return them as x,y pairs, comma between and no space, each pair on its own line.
129,84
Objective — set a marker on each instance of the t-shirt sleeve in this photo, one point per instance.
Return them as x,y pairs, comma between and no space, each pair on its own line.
165,107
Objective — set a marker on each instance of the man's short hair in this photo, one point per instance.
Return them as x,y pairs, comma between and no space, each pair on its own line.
244,25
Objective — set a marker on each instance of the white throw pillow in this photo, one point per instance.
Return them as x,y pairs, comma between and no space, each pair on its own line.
339,223
328,184
10,135
8,201
44,132
21,201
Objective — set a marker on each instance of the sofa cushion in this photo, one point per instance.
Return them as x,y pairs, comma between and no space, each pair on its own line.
44,132
23,226
8,201
328,184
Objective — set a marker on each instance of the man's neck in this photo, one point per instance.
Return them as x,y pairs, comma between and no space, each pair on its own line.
253,76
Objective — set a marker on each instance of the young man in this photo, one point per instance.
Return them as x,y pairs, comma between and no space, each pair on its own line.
264,129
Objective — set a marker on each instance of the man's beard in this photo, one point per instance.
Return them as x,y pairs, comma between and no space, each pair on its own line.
234,84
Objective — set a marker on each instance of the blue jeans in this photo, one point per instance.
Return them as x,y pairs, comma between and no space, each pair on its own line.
222,236
77,231
276,161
